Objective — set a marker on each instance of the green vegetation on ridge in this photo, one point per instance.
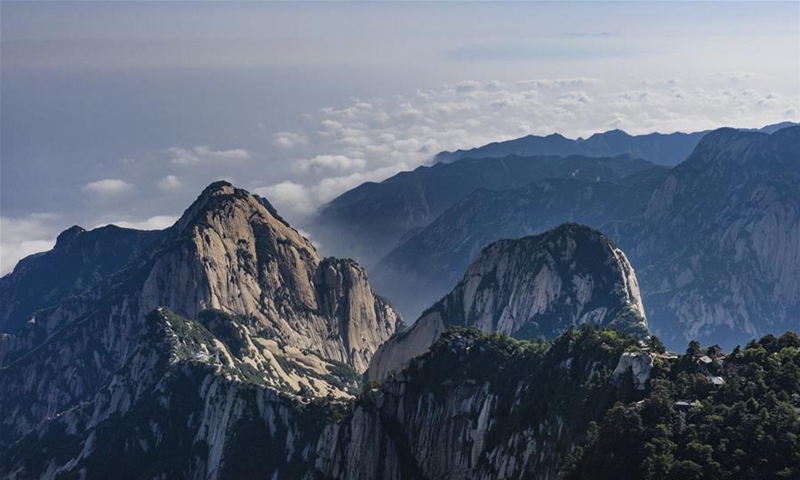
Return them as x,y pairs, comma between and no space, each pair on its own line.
687,428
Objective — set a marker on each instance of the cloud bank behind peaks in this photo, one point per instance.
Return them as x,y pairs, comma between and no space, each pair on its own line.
369,140
335,149
157,222
24,236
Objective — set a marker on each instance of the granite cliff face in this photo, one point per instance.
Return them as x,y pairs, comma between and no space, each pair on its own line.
234,253
190,402
531,287
719,242
478,406
592,404
227,348
715,239
292,323
371,219
435,258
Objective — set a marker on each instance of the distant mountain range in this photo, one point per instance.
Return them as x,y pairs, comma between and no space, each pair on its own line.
662,149
432,261
704,267
370,220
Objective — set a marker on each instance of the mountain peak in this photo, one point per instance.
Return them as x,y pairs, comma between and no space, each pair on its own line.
67,236
249,261
530,287
724,133
555,135
220,187
571,229
725,144
723,136
615,134
563,240
222,198
790,133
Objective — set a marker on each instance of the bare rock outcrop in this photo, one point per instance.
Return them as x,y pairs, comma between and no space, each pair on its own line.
307,321
530,287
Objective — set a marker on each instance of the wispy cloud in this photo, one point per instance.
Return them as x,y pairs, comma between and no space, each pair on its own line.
37,232
564,48
338,163
289,193
189,156
289,139
170,182
23,236
108,186
157,222
591,35
354,144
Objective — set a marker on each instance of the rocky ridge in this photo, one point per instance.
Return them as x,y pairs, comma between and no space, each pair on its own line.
436,257
478,406
307,325
662,149
536,286
371,219
715,239
719,242
184,405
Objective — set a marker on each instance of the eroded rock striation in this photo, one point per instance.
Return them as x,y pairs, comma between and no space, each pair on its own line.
189,402
477,406
719,243
715,240
536,286
270,323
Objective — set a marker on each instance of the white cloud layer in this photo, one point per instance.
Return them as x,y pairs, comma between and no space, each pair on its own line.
157,222
289,140
338,148
109,186
20,237
336,163
37,232
199,154
289,196
170,182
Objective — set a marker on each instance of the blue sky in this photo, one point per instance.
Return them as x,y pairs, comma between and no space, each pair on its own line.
121,112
